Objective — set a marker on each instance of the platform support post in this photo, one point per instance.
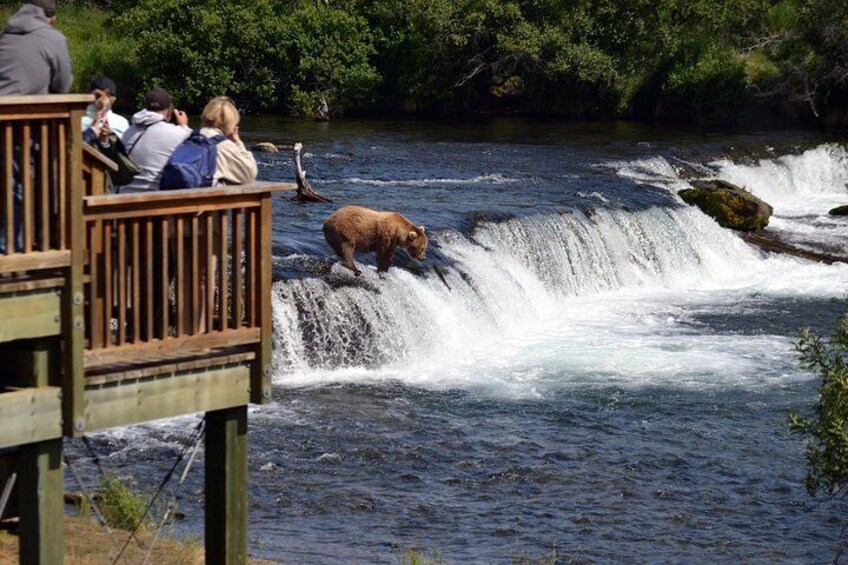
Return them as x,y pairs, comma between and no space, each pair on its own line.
226,486
42,506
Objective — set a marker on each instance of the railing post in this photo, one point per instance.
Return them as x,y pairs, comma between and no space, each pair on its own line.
73,301
260,381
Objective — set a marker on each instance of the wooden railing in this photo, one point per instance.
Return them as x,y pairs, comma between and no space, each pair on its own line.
176,272
39,179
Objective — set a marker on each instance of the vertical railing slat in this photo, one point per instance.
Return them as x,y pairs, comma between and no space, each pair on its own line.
222,290
136,279
9,186
238,237
164,279
196,312
44,184
150,303
210,272
250,265
61,156
180,290
26,180
107,283
121,277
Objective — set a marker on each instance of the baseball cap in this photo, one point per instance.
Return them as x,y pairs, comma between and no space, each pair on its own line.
157,100
49,6
104,83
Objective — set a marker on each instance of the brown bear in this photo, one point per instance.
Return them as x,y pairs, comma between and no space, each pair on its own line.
354,228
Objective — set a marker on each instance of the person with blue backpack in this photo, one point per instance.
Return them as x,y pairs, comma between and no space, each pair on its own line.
214,155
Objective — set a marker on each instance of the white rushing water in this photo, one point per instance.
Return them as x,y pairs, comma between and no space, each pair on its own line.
548,300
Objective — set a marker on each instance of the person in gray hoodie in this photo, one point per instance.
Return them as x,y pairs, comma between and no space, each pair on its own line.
154,135
33,56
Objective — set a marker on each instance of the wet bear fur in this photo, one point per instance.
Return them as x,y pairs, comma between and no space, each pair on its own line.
356,229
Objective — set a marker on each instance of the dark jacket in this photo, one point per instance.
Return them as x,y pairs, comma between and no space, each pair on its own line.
33,56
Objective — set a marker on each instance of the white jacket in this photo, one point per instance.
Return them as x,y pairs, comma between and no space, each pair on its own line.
151,141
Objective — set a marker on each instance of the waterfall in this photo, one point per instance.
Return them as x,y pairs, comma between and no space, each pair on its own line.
504,276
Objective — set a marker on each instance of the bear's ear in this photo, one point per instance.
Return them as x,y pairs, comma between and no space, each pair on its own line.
412,235
422,229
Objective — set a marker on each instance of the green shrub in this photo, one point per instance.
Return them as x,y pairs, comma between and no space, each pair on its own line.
826,430
705,85
121,507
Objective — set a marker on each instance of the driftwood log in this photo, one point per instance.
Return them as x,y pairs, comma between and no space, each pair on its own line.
305,193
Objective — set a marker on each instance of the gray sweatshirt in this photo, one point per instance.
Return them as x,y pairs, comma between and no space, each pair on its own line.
150,142
33,56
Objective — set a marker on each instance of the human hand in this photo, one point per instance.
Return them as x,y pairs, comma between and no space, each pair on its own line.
234,135
180,117
105,132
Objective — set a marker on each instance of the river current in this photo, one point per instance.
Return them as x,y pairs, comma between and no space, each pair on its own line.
604,373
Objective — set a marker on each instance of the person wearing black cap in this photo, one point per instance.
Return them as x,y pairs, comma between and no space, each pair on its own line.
99,117
152,139
33,56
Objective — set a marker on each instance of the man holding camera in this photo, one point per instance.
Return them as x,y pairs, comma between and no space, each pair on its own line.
154,135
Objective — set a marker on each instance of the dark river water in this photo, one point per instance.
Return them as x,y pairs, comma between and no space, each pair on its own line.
604,374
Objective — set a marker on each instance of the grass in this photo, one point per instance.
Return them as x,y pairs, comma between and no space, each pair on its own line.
122,508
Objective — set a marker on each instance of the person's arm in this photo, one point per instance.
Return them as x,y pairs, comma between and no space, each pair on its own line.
236,163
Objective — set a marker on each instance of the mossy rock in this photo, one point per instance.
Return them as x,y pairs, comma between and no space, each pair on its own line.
265,147
839,211
732,207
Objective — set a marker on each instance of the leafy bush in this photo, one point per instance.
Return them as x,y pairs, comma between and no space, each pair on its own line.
705,86
121,507
826,430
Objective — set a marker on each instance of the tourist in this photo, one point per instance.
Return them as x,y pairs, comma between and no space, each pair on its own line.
154,135
33,56
235,163
99,119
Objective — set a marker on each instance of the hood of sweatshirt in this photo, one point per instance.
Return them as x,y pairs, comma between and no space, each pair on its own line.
27,20
147,118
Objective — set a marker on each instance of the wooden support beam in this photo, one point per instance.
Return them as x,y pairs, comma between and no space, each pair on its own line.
29,315
226,486
32,414
42,510
143,400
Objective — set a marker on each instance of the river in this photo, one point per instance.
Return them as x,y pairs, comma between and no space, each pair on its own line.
605,375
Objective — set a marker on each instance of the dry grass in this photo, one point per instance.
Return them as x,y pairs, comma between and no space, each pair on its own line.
86,543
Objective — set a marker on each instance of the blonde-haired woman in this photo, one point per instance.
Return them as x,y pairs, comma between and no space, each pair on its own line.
235,163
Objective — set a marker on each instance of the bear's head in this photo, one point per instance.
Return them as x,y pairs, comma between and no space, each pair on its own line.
416,243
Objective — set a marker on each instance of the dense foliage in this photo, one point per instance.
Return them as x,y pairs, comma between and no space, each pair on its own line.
826,429
705,61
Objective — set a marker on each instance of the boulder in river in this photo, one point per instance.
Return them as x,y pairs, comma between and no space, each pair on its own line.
732,207
839,211
265,147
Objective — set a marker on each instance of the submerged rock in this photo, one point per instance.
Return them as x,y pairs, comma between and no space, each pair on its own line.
732,207
265,147
839,211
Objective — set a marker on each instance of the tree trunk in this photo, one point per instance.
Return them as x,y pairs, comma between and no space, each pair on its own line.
304,189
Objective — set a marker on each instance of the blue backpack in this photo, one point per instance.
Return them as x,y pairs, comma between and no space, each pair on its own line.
193,163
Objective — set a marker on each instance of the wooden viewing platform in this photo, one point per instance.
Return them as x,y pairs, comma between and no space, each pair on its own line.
117,309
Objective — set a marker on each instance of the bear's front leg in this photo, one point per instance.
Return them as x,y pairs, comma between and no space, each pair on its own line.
347,258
